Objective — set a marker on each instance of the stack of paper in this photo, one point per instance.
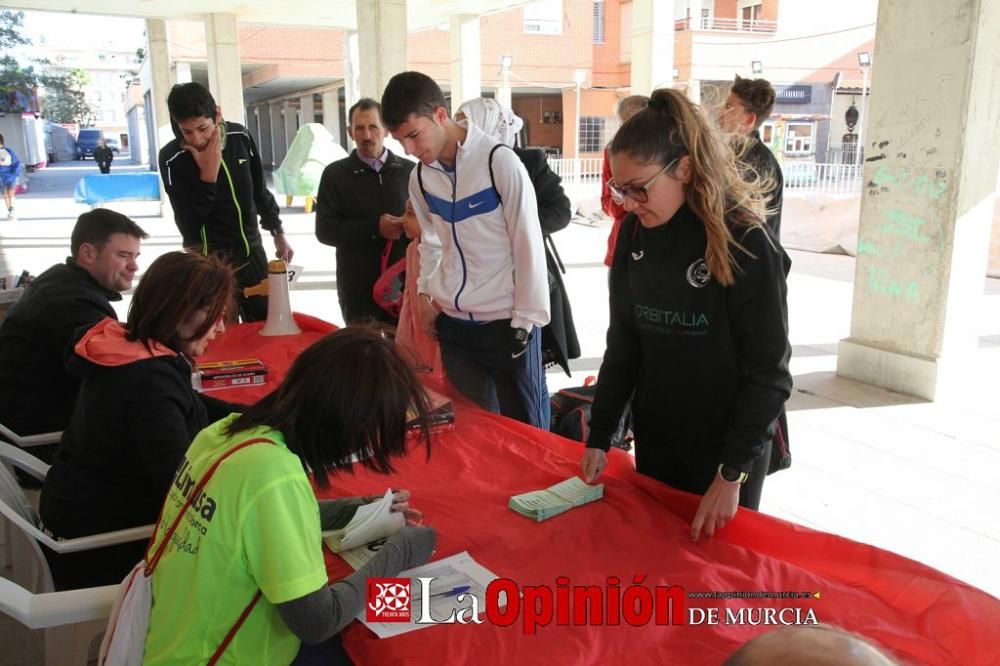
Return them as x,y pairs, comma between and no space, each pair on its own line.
371,522
541,504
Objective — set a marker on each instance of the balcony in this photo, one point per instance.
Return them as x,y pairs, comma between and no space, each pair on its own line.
726,25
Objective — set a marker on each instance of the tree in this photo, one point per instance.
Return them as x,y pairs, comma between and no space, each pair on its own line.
17,83
64,100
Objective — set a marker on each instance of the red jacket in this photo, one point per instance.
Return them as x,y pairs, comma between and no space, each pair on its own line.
616,211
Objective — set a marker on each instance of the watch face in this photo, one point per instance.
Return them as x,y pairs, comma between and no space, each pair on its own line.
729,474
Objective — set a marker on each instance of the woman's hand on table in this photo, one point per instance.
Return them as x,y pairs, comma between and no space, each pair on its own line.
717,507
593,463
401,504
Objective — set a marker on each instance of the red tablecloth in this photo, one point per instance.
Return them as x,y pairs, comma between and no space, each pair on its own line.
244,341
640,528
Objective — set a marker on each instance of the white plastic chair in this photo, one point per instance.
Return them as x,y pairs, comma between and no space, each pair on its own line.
31,570
72,620
29,440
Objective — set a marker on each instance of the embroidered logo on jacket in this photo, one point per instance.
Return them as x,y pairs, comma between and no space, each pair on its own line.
698,274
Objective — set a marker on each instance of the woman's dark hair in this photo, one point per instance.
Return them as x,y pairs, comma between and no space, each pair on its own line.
720,188
174,289
349,394
189,100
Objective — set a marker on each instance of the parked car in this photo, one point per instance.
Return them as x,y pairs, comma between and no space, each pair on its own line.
114,146
86,141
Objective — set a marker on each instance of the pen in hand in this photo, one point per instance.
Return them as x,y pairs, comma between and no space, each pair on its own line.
453,592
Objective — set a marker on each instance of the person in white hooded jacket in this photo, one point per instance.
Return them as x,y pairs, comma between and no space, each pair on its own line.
483,284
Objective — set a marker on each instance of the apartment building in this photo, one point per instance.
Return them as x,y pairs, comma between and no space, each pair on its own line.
564,64
110,69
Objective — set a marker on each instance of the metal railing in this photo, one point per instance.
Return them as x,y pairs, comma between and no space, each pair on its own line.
581,178
725,24
585,171
822,178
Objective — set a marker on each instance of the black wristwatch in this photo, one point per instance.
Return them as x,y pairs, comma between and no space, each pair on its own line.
732,475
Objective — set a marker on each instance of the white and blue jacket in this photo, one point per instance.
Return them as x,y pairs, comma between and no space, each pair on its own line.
480,259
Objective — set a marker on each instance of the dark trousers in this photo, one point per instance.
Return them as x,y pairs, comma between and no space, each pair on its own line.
92,568
250,271
104,167
477,360
362,312
328,653
690,467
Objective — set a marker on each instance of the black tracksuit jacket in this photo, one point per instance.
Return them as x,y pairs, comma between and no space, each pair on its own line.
709,364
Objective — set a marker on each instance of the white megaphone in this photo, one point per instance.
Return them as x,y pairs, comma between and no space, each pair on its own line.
279,309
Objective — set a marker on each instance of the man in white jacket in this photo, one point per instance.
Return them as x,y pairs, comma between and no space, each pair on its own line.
483,285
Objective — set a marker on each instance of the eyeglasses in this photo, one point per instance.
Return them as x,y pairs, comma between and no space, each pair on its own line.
638,194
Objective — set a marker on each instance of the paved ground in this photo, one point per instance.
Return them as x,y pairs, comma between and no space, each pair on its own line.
917,478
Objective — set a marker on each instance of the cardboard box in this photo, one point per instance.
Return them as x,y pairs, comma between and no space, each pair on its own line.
231,374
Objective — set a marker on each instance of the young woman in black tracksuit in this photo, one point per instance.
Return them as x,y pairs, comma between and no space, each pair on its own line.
698,325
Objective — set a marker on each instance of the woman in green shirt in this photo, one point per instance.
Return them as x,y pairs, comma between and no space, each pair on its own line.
256,525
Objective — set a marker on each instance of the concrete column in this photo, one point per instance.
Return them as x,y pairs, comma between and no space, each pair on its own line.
159,63
182,72
694,90
307,110
291,126
264,123
331,113
927,204
277,134
652,45
159,68
252,126
352,79
466,76
381,43
225,79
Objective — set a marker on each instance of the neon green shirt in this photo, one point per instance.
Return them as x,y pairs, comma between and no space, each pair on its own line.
255,527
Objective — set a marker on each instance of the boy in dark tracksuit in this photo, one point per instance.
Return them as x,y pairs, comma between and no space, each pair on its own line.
213,175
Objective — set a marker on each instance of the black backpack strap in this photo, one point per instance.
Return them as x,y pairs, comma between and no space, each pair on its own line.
493,181
420,183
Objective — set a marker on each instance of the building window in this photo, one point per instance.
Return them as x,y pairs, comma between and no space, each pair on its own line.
543,17
751,14
799,138
591,134
767,133
598,21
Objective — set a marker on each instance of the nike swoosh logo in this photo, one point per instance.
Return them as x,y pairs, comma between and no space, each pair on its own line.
476,205
242,160
636,256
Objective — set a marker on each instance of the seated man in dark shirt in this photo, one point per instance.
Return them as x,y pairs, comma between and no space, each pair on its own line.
37,394
749,104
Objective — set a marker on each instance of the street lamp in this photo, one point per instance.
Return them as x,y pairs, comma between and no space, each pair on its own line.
865,63
504,95
757,67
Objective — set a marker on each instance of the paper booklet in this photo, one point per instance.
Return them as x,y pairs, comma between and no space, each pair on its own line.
371,522
541,504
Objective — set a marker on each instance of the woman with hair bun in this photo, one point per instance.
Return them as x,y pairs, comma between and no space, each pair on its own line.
699,325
